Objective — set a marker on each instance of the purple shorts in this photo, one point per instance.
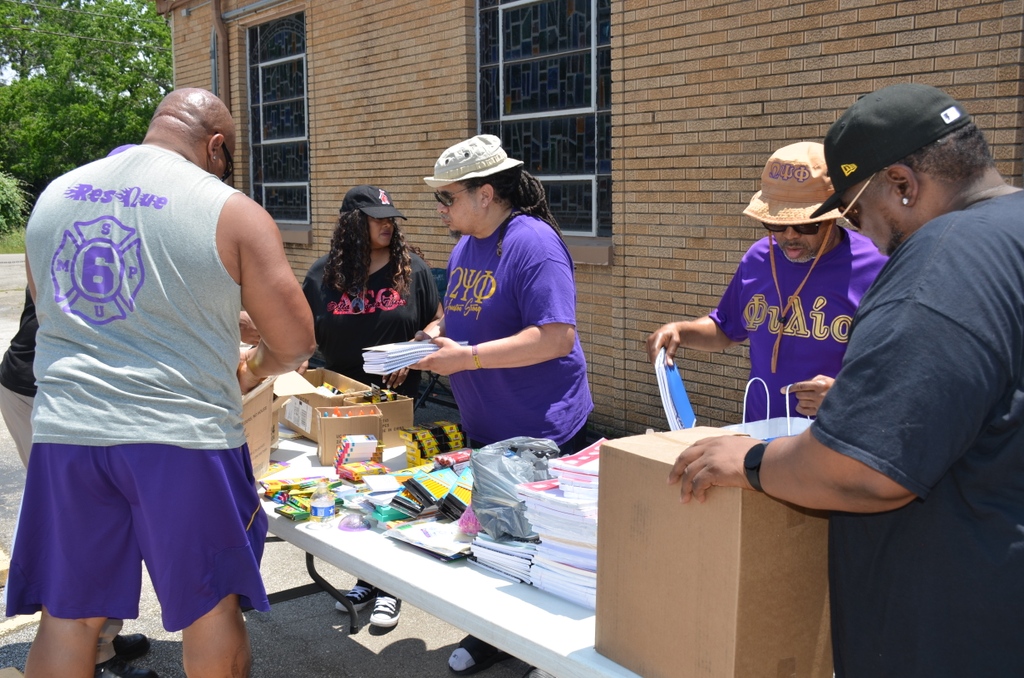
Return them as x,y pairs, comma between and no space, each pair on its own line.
91,515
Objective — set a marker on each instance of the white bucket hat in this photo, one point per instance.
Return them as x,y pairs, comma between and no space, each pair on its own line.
480,156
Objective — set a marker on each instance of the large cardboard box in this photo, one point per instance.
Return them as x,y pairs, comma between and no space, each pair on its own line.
299,412
260,425
734,587
364,420
395,414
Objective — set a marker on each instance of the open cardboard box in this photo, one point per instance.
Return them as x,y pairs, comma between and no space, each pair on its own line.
298,413
260,425
395,414
734,587
354,420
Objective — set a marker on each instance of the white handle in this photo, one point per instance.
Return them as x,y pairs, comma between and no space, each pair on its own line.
767,400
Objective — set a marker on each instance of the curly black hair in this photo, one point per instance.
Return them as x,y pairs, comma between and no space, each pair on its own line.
522,191
348,263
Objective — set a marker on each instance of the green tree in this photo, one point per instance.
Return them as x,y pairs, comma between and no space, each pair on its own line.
13,204
77,78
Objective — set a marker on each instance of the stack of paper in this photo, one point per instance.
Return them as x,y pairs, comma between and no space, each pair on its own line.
563,512
507,559
577,474
387,358
440,539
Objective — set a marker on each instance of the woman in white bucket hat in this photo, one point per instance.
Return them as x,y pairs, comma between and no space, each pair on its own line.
508,336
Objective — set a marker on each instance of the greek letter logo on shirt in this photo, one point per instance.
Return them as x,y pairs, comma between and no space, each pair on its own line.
386,299
97,270
814,324
468,289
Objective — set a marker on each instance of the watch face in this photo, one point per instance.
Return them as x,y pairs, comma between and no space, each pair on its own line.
752,461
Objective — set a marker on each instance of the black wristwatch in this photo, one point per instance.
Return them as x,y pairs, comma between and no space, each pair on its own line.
752,465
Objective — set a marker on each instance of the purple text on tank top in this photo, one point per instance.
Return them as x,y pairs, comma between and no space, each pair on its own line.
97,270
131,196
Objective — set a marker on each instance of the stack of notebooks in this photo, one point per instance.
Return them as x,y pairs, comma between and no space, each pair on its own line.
507,559
563,512
387,358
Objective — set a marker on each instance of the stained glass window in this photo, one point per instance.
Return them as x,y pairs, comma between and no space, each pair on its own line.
279,143
545,89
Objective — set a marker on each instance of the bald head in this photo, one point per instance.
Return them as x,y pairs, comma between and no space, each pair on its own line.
186,121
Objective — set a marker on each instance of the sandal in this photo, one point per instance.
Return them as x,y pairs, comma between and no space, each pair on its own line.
482,655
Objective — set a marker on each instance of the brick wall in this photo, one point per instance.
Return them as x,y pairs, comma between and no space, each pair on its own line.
703,92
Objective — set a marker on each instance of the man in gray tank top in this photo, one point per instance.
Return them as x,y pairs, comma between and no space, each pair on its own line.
139,264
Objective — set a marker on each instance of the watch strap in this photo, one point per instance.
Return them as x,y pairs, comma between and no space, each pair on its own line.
752,465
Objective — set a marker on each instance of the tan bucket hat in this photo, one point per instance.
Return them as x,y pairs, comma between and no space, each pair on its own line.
794,183
480,156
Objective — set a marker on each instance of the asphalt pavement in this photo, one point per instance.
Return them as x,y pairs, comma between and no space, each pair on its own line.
303,636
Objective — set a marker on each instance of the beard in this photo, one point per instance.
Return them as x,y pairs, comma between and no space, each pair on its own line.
808,254
896,238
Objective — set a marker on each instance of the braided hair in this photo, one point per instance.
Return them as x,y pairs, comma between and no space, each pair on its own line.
348,263
522,191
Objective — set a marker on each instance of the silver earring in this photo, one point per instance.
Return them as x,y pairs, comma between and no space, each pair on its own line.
906,201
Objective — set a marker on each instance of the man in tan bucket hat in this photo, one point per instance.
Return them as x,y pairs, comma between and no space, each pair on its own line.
794,293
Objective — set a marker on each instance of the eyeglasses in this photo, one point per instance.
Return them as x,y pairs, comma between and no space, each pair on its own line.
447,199
229,164
802,229
851,215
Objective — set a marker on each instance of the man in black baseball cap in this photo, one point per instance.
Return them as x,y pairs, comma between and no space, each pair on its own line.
918,448
883,127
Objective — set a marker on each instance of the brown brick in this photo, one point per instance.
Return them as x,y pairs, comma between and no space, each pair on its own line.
703,91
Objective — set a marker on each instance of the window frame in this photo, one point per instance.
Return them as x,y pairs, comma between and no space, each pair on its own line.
255,99
592,110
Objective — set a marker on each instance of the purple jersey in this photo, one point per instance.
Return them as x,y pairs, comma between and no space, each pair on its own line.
491,297
818,323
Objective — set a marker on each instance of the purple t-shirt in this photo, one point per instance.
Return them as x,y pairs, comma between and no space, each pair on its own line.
491,297
818,324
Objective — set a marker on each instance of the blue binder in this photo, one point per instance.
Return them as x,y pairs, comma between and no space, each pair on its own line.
674,399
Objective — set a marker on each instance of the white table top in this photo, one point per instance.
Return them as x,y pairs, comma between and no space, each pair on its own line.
528,623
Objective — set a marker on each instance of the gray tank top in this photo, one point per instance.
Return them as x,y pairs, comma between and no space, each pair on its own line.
138,318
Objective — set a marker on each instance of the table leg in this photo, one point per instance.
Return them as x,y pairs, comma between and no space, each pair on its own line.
334,593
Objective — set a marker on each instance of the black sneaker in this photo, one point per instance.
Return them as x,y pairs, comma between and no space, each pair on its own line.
361,594
130,647
118,668
386,611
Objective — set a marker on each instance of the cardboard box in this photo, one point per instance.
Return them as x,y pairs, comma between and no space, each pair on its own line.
277,412
734,587
396,414
361,420
299,410
260,425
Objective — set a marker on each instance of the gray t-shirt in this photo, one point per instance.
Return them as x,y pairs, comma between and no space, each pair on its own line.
138,318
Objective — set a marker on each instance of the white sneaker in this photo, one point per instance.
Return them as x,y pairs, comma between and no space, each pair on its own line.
386,611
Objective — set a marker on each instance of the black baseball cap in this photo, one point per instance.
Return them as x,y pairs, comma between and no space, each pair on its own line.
884,127
371,201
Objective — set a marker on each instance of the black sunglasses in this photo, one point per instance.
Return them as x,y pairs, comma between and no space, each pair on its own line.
802,229
447,199
229,164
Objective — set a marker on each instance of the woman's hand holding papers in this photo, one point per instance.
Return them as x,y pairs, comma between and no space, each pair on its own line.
450,357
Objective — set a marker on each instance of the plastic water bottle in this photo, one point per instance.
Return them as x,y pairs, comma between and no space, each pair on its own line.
321,506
